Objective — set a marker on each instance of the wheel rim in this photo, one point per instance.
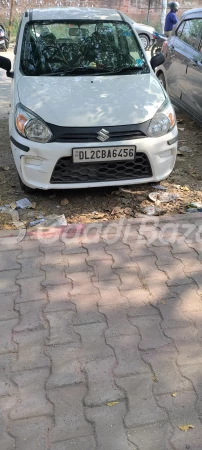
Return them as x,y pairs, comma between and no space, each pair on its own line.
144,41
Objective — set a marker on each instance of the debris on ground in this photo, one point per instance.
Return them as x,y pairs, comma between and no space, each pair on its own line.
64,202
185,148
152,211
23,203
36,222
159,186
164,197
54,221
185,427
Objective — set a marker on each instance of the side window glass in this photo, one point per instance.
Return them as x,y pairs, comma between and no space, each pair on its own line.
180,29
191,32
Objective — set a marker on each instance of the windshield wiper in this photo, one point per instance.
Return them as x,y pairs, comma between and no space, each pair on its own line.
84,70
127,69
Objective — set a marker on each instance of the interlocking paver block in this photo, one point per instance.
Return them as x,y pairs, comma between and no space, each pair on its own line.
31,317
157,286
164,256
8,260
7,344
31,350
93,345
8,281
7,441
129,278
197,277
150,331
65,366
129,361
181,411
103,271
197,247
101,386
77,263
139,250
164,366
117,320
83,443
142,406
194,374
184,339
82,284
58,297
151,437
139,299
110,294
7,301
176,274
55,275
171,313
29,249
110,431
97,252
61,327
70,422
147,266
190,262
7,387
87,309
120,255
180,246
31,434
190,298
31,289
53,259
31,401
30,267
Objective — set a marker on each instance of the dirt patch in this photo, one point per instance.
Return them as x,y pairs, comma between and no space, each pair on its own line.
91,205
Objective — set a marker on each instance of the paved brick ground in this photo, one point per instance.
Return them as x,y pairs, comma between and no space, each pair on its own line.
94,315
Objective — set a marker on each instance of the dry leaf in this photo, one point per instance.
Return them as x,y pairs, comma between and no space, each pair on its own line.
164,303
64,202
154,379
5,168
174,394
185,427
33,205
112,403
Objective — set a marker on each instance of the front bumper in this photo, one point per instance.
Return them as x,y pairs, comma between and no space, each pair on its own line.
36,166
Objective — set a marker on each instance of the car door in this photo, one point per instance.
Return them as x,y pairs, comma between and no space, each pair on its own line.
176,63
192,93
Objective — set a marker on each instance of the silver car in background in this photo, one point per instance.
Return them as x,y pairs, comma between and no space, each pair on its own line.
145,33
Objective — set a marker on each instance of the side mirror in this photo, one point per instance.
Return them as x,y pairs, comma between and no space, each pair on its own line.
157,60
5,64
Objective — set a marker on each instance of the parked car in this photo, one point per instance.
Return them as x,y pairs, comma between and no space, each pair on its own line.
87,108
146,34
181,73
4,41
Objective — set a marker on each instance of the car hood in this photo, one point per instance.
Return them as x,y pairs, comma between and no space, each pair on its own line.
85,101
142,26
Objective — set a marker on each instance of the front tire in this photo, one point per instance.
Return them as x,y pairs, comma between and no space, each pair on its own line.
162,80
145,41
25,188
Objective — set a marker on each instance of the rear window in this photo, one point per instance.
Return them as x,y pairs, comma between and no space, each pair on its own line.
189,32
59,47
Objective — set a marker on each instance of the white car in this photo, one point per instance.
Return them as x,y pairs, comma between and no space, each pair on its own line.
87,109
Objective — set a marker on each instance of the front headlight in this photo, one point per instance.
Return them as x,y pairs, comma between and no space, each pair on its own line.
30,126
163,121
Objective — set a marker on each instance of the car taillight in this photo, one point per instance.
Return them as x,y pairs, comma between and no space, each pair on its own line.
1,33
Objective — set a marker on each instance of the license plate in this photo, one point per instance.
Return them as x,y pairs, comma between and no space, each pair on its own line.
99,154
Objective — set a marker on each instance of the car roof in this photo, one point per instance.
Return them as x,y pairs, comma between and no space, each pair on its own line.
74,14
196,12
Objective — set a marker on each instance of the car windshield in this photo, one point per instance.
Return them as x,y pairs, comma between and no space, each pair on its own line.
65,48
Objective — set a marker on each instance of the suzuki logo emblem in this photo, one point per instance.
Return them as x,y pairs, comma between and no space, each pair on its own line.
103,135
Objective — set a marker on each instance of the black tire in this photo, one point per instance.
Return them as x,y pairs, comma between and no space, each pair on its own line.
3,48
145,41
162,80
26,189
